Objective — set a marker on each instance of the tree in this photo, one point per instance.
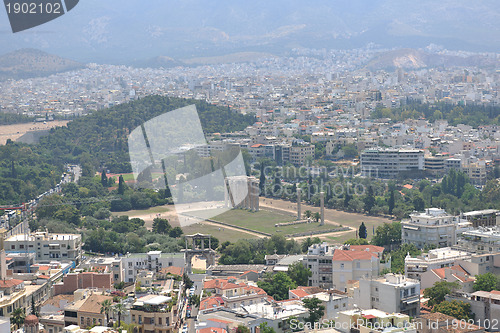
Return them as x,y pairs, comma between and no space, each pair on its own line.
356,241
121,185
194,300
299,273
391,201
369,200
440,289
419,203
106,307
316,309
119,308
104,178
317,216
277,285
242,329
307,214
188,283
347,198
175,232
264,328
34,309
387,234
362,231
398,257
13,171
17,317
308,242
486,282
161,226
457,309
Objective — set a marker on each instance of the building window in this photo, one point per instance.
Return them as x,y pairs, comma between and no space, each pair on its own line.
341,266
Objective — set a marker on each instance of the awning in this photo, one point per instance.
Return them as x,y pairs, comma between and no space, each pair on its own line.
411,228
412,301
369,316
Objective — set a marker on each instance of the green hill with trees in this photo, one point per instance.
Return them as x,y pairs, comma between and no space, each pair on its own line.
96,141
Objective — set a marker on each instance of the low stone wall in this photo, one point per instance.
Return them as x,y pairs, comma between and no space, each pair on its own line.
318,232
284,224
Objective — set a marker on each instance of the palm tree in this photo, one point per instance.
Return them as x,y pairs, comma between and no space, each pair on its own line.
307,214
119,308
317,216
17,317
106,308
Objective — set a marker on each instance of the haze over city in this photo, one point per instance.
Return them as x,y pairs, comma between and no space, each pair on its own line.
249,167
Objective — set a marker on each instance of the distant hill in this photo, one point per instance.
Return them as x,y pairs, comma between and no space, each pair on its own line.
157,62
228,58
168,62
414,59
26,63
95,141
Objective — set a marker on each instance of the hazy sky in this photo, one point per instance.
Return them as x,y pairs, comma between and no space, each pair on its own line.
120,31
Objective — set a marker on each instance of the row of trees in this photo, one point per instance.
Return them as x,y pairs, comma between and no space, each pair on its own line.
253,251
470,114
454,193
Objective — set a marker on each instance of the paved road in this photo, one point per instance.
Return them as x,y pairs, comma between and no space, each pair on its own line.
198,285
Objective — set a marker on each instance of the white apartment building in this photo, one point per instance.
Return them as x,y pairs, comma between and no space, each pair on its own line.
373,321
389,163
133,263
114,265
355,265
319,261
431,227
480,240
437,258
391,293
47,246
300,153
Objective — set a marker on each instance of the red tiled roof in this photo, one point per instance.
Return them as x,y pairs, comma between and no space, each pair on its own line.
371,248
299,293
441,272
303,291
219,320
347,255
10,283
211,330
174,270
211,302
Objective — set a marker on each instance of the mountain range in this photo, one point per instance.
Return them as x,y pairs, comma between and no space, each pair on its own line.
129,31
26,63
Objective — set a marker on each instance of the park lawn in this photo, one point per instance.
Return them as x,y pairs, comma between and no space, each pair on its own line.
340,239
224,234
265,220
